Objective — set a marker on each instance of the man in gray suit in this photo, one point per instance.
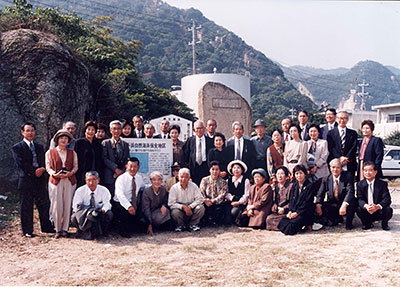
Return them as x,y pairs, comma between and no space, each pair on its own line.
115,156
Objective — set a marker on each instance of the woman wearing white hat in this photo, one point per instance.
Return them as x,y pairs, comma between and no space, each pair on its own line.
238,192
61,164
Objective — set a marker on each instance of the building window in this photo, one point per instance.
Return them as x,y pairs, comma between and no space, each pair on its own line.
394,118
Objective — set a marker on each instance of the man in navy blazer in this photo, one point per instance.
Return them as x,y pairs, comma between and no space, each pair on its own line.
303,123
241,148
344,150
196,159
138,123
330,116
115,156
29,159
373,199
335,198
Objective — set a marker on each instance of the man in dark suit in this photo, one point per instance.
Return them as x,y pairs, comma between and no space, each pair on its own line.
211,127
339,195
29,158
373,199
115,156
240,148
164,127
330,116
342,144
195,152
138,124
303,123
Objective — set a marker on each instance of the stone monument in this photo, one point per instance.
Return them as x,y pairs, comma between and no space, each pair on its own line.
223,104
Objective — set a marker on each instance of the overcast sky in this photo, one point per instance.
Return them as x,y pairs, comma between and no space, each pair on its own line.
322,34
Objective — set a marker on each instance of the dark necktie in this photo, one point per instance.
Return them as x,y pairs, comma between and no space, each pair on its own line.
92,200
34,155
119,150
134,193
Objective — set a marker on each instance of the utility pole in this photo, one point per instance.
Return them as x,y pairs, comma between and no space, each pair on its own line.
193,29
363,95
292,113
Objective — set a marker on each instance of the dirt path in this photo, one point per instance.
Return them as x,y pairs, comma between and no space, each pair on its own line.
213,256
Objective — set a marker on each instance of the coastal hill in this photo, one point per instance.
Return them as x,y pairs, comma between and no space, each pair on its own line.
165,56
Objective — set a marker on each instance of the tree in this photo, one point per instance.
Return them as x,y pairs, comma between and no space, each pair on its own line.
393,138
116,88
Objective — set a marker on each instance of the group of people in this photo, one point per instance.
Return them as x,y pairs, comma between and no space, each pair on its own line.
299,178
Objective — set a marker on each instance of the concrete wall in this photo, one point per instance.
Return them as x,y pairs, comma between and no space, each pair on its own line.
357,117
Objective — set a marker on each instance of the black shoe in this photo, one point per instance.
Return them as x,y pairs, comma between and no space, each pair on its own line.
125,234
366,227
78,234
29,235
349,227
385,227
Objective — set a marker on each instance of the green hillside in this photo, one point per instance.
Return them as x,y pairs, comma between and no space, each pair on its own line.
384,85
165,56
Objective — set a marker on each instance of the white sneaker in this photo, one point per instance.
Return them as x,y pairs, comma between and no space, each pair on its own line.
317,226
179,229
195,228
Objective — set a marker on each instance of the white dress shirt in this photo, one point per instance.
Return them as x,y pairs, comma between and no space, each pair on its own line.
138,133
82,197
123,189
27,142
330,126
340,130
285,134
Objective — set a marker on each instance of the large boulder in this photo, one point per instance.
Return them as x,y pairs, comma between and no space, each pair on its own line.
42,81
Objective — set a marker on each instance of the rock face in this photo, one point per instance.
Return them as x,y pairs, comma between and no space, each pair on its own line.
41,81
217,101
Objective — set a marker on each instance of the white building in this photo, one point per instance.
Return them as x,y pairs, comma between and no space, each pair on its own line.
357,117
388,119
184,124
